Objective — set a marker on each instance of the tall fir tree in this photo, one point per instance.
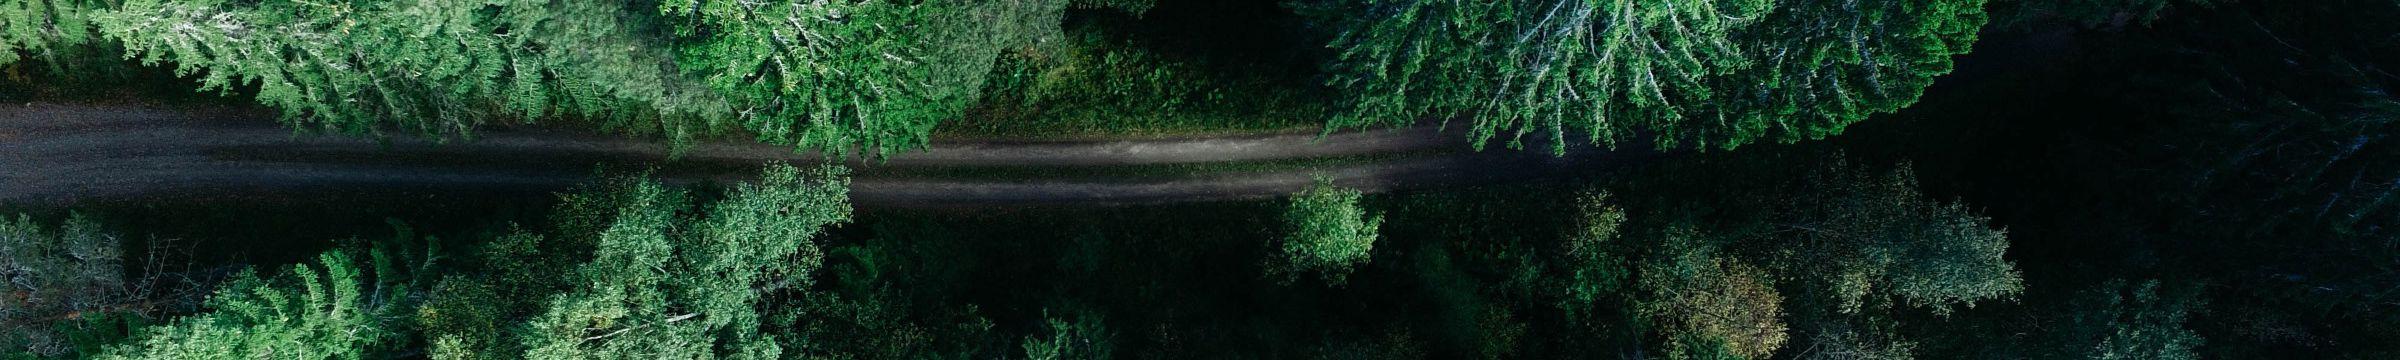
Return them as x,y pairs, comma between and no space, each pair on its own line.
1685,73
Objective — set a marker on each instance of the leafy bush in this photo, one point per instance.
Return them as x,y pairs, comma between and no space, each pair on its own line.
1330,234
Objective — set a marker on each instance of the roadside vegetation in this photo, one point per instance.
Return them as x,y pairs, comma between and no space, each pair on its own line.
880,77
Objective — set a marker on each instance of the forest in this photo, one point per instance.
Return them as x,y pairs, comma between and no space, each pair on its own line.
1168,179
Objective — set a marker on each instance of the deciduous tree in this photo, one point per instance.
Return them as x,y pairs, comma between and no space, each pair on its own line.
1330,234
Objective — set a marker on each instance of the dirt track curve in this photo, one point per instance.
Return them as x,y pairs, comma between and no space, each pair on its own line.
64,154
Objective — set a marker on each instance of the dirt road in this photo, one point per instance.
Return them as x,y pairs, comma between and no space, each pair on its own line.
64,154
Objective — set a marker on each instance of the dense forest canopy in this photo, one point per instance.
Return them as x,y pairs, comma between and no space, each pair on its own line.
748,271
2012,179
881,76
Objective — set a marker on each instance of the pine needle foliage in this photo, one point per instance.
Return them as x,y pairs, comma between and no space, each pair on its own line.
668,281
320,311
830,75
1683,73
440,68
52,276
1823,65
58,33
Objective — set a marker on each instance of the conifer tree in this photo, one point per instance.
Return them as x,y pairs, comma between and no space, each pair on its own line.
872,74
1684,73
440,68
52,277
665,281
328,310
1820,66
59,33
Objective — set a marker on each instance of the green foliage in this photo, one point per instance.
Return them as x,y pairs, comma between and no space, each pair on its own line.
1687,73
664,283
816,75
1867,234
472,312
1849,252
325,311
887,297
50,279
1597,263
1711,307
59,33
1083,336
1524,66
1094,81
2140,321
1330,235
1822,66
872,74
431,67
1136,7
1877,339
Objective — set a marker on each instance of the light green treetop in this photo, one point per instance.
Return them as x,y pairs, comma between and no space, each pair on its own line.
329,316
1330,234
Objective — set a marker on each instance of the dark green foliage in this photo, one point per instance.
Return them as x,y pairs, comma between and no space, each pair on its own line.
872,74
664,281
438,68
2140,321
1698,73
1875,234
869,74
2027,14
2240,148
472,313
1095,80
1330,235
894,295
1825,65
648,270
1393,345
1596,256
1080,336
51,279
